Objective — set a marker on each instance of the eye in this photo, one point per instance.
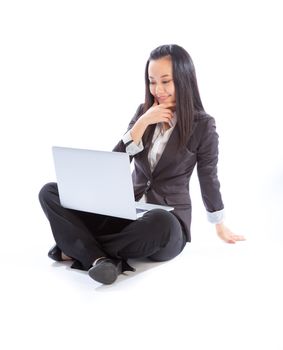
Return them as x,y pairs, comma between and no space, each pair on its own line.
151,82
166,81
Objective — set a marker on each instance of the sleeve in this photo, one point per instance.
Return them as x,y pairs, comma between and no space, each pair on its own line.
207,159
131,148
126,144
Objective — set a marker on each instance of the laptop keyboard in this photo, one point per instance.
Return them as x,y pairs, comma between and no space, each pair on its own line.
140,210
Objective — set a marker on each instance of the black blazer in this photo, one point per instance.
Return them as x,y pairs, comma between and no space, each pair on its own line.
169,181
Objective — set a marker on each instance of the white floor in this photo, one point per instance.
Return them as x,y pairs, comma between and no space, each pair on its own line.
212,296
72,75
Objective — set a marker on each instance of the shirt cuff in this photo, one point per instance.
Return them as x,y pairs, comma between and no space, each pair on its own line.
215,217
131,148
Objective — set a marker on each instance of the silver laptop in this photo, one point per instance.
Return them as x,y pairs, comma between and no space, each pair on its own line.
98,182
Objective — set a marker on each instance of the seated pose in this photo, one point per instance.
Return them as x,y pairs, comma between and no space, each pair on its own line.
169,134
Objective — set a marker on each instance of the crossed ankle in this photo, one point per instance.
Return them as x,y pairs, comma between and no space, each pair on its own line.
65,257
95,261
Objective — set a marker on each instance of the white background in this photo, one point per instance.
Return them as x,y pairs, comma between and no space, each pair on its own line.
72,74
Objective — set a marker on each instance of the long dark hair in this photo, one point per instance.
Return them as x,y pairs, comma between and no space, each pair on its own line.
188,100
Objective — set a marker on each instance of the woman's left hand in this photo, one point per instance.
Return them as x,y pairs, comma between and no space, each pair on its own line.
227,235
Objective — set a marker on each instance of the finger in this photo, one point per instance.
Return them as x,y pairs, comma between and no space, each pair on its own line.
167,120
239,238
167,112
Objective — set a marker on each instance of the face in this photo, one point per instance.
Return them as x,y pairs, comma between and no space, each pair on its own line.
161,84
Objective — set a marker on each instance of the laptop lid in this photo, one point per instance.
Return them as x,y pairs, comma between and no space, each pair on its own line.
95,181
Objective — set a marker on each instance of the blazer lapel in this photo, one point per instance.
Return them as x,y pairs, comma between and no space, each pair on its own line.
144,154
169,151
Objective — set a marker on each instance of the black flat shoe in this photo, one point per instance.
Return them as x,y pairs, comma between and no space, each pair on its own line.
106,270
55,253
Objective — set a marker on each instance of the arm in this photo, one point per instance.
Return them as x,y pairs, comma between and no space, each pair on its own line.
125,142
132,140
207,159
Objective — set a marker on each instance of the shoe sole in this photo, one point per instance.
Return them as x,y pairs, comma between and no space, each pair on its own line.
105,273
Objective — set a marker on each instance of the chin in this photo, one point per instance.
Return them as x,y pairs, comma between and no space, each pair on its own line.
166,100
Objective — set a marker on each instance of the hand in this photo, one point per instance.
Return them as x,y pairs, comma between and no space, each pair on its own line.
159,113
227,235
155,114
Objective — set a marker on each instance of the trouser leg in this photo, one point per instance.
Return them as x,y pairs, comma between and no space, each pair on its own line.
86,236
69,227
158,235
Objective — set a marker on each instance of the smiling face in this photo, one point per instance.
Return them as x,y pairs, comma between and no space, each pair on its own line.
161,84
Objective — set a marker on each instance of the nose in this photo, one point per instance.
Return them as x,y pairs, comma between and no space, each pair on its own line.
159,89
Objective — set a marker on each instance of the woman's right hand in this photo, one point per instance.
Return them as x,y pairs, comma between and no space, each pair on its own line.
158,113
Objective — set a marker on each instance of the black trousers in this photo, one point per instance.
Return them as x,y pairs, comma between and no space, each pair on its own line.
85,237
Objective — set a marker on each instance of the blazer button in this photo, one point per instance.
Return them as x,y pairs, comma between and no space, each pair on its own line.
147,186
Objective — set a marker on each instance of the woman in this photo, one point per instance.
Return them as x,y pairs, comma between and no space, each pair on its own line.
169,134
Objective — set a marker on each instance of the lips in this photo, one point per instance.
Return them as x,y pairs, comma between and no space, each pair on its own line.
162,98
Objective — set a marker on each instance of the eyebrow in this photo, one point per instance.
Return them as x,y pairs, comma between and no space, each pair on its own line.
163,76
